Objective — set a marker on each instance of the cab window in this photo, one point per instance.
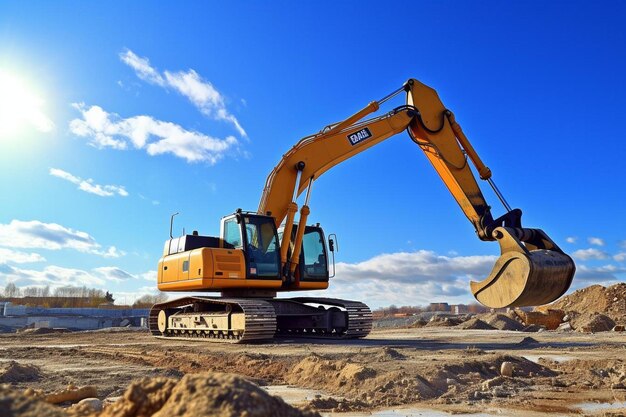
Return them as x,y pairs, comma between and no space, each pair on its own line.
315,265
262,246
232,235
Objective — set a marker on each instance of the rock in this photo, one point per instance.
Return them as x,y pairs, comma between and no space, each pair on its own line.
500,392
565,327
506,369
595,323
16,404
493,382
566,318
533,328
93,403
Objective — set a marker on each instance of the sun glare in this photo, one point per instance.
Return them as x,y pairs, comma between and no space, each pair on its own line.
20,107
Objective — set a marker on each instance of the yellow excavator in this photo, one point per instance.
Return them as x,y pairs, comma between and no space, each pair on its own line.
259,254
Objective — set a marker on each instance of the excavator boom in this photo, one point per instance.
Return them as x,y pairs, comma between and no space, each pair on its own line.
531,270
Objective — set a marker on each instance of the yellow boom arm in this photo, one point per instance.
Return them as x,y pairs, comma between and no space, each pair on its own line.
525,277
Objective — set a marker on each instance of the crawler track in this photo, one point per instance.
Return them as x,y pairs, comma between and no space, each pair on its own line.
359,317
261,320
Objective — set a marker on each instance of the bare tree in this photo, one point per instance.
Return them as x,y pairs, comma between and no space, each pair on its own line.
149,300
11,290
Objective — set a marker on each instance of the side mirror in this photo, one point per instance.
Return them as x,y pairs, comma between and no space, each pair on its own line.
332,241
331,247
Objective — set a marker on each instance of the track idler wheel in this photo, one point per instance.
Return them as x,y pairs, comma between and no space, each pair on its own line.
532,273
162,321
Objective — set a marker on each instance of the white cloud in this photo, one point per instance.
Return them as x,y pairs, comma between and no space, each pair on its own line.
52,275
51,236
56,276
589,254
417,266
410,278
188,83
571,239
88,185
17,257
142,67
620,257
596,241
605,275
144,132
149,276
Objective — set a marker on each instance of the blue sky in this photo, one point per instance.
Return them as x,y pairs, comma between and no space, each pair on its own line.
140,110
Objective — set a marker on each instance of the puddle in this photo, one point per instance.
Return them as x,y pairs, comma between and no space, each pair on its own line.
300,396
294,395
408,412
592,407
556,358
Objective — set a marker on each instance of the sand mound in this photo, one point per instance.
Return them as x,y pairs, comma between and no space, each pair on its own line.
12,372
475,324
206,394
610,301
440,321
15,404
592,323
400,386
389,354
502,322
44,330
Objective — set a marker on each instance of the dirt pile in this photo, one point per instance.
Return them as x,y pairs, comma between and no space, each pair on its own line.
205,394
592,323
501,321
12,372
43,330
610,301
16,404
550,319
442,321
475,324
397,385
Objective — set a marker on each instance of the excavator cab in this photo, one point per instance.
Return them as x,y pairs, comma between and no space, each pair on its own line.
256,235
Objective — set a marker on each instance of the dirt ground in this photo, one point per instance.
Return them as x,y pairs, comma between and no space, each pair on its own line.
443,368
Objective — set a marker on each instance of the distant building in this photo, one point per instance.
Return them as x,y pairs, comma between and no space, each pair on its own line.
439,307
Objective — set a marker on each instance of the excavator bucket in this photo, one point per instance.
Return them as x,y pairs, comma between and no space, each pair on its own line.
532,273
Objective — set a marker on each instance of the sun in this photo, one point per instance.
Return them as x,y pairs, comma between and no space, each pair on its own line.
21,107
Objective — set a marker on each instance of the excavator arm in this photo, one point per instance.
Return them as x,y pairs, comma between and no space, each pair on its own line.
531,270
